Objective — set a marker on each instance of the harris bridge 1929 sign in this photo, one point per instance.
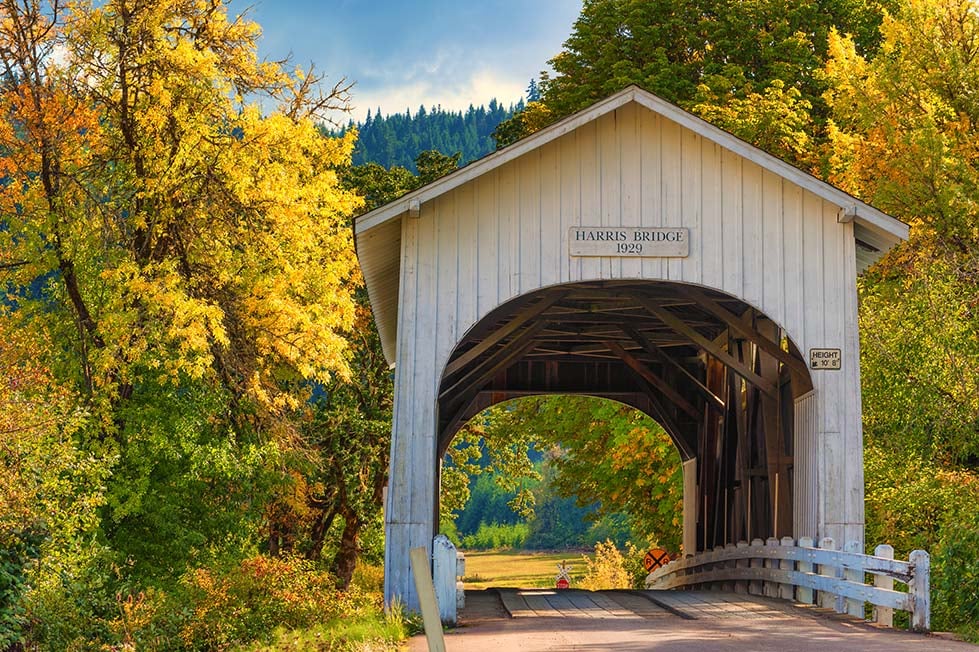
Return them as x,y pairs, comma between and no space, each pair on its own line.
670,242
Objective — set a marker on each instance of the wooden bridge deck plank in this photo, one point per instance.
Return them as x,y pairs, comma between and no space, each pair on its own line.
638,605
561,602
515,604
541,605
608,602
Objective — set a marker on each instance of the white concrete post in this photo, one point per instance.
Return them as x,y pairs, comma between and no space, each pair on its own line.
771,587
756,587
786,591
741,586
827,600
460,589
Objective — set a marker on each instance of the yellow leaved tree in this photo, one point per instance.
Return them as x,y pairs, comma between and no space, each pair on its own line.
173,225
190,234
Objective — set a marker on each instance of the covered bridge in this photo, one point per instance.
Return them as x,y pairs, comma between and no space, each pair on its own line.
635,252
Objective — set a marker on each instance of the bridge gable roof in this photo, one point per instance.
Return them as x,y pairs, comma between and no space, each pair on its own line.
378,232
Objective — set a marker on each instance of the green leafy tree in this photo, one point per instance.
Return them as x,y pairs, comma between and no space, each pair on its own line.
903,136
747,66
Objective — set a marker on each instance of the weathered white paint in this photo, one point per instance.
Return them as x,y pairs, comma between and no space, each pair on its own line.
756,232
883,615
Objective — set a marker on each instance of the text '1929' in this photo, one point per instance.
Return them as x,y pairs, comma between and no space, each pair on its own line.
671,242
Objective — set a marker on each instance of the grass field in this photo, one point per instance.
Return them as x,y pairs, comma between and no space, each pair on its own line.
519,568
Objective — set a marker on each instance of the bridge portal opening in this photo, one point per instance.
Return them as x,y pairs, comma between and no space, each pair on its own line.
722,379
591,470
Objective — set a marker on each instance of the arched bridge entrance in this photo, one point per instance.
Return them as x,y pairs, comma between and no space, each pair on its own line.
634,251
719,376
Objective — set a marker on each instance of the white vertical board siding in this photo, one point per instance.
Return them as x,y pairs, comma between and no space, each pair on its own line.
529,230
551,263
805,508
711,237
610,182
753,235
671,187
691,199
589,195
630,182
486,244
732,227
651,179
448,274
469,276
773,255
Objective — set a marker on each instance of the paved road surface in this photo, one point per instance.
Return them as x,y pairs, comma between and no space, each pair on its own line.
528,620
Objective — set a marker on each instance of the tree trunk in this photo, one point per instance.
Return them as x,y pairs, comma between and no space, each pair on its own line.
317,537
346,558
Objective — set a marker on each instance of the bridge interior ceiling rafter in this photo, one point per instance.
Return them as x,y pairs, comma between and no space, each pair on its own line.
715,373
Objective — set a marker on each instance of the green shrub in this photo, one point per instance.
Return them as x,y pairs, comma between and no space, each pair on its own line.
70,599
374,632
633,564
216,608
18,549
955,579
494,536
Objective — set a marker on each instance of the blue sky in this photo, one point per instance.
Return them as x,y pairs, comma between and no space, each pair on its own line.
408,53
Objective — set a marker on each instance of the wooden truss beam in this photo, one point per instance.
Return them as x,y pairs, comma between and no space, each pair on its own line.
743,327
661,414
500,334
712,400
646,374
713,349
471,382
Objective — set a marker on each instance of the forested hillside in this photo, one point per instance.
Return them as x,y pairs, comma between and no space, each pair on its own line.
397,139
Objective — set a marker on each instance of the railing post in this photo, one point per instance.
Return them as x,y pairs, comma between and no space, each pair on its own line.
728,585
884,616
460,588
771,587
854,607
741,586
827,600
803,594
786,591
755,587
920,589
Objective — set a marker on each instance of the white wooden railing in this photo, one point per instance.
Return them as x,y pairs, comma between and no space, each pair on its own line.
811,575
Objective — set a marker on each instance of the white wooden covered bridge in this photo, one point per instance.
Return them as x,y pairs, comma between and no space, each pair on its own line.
634,252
